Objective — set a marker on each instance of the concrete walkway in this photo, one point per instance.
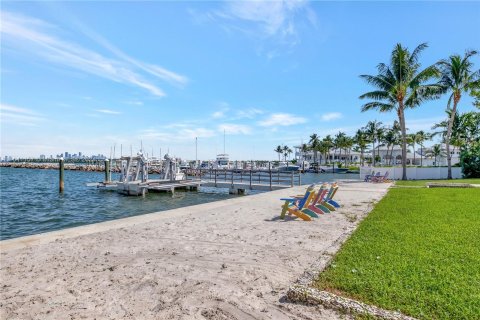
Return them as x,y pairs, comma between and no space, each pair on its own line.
230,259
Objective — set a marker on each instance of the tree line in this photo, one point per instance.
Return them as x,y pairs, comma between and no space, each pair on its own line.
402,84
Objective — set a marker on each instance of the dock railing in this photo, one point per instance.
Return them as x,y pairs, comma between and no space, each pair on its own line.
250,177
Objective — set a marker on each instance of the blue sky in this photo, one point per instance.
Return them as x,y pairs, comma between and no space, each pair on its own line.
83,76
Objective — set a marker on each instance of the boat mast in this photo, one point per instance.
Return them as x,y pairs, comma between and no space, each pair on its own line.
224,141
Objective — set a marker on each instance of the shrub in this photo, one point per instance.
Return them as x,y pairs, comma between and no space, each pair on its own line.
470,161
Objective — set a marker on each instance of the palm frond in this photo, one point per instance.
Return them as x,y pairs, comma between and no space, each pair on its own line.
376,105
416,52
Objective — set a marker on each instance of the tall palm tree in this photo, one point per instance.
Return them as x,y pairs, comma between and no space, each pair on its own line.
374,130
390,139
401,85
329,144
422,136
314,141
339,143
457,78
279,151
361,141
323,148
304,148
348,144
413,139
286,152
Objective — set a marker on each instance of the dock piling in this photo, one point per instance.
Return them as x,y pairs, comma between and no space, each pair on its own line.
107,170
61,176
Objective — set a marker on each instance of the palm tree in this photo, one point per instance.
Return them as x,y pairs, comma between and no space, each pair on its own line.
314,141
436,151
390,139
455,131
304,148
361,140
286,152
374,131
457,77
413,139
323,148
329,144
339,143
469,128
475,93
348,144
422,136
400,86
279,150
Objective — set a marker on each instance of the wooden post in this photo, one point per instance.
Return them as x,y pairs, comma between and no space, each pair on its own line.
61,182
299,179
107,170
215,171
250,179
270,174
291,179
232,177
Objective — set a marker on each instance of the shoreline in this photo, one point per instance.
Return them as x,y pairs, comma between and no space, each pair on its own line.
229,259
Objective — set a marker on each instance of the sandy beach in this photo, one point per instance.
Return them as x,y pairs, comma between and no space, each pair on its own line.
231,259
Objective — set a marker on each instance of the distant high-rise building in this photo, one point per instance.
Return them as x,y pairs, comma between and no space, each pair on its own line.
42,157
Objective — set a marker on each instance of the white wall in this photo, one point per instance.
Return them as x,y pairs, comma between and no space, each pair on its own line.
413,173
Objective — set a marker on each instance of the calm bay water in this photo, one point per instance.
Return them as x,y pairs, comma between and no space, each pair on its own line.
30,202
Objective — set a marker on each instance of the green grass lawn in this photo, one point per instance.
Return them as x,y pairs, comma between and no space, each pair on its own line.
424,182
418,252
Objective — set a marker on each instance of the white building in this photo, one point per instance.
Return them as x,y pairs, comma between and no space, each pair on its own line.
335,155
391,156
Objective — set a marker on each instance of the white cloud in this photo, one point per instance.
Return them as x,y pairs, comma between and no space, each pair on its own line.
218,114
273,20
181,134
36,37
19,116
273,17
282,119
231,128
249,113
134,103
107,111
331,116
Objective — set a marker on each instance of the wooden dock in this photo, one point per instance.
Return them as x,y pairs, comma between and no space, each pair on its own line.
191,185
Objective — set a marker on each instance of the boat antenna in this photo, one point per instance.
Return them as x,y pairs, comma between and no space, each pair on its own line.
131,151
141,146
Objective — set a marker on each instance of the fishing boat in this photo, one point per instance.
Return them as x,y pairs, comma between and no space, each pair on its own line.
223,161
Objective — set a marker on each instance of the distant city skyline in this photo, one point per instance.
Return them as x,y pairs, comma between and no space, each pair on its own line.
93,75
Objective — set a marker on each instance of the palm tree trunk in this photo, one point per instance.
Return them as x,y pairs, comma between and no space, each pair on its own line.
421,155
373,152
401,118
456,98
414,153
